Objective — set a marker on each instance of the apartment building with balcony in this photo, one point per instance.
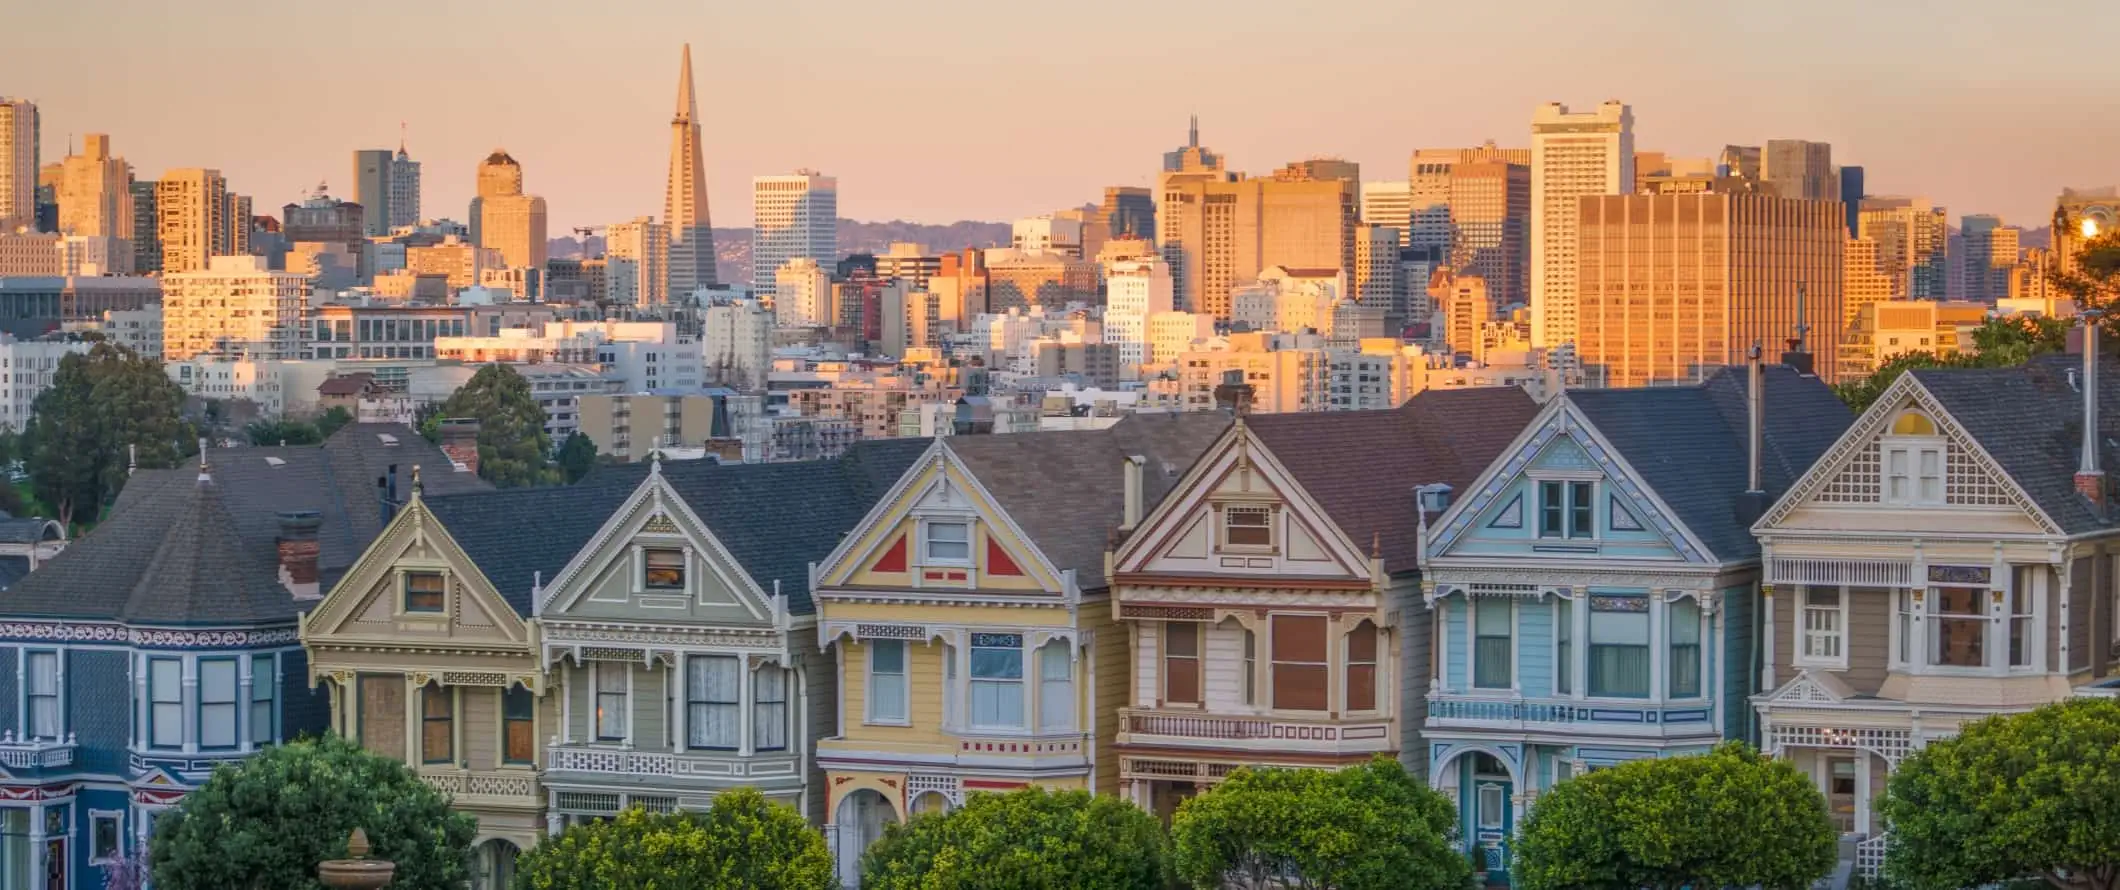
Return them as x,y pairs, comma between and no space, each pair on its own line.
1595,589
1270,602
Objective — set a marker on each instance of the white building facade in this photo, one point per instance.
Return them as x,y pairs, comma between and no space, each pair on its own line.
1134,290
1572,155
794,216
236,308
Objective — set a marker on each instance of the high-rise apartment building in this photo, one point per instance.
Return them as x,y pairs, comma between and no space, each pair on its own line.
1990,260
193,219
1674,286
1376,264
1851,194
802,294
1794,168
1389,204
1218,234
508,220
146,228
685,201
95,192
1862,285
387,186
20,159
498,175
1189,166
1134,290
1490,209
637,262
404,191
794,216
236,308
1466,309
322,219
1573,156
1913,244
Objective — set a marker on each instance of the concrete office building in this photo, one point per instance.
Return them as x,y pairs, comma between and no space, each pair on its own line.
508,220
1490,210
1794,168
498,175
1376,265
1674,286
195,219
1050,232
1219,234
95,192
802,294
1134,290
1184,170
236,308
794,216
1990,258
26,369
146,222
1389,204
907,262
462,263
637,262
1573,155
1851,194
387,186
736,344
20,160
322,219
685,200
1028,279
1913,245
1466,309
1430,189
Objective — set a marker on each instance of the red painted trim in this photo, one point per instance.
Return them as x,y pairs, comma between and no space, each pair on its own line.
893,558
997,561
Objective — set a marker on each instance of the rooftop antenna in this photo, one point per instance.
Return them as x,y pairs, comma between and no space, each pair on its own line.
401,137
1192,133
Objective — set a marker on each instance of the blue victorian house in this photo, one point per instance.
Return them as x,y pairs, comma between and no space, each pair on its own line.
1595,590
163,643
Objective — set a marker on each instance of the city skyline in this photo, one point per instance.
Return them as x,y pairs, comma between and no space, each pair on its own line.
1054,131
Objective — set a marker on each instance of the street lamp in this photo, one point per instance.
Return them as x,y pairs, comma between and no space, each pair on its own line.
357,871
2090,227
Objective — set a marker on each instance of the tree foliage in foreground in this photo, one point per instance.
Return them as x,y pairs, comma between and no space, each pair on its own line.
2020,796
512,445
1729,818
742,842
1023,840
1368,827
265,823
102,407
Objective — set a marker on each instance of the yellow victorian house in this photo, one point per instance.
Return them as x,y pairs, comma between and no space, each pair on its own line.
970,617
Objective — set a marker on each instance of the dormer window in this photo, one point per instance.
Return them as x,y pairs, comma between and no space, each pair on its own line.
1247,526
423,592
665,569
1566,510
1913,462
949,542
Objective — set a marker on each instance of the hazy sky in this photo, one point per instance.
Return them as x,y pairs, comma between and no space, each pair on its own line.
937,110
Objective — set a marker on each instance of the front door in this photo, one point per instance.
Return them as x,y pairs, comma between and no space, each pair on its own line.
1488,791
862,817
1840,791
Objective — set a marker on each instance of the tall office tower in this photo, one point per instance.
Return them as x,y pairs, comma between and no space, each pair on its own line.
191,218
498,176
685,202
1134,290
2081,214
1218,234
1740,162
404,190
235,237
235,308
1674,286
1490,209
1990,258
637,262
1128,213
1313,169
1191,156
1465,306
1794,168
387,186
1572,156
1430,187
1389,204
19,163
1184,168
95,192
1376,264
504,218
322,219
794,216
1851,194
802,294
147,235
1913,245
1862,285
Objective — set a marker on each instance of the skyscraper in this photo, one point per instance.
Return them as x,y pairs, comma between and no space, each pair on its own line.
1572,156
1189,165
19,160
1389,204
685,202
637,258
793,217
1913,245
192,219
146,223
1795,168
1128,213
404,190
1851,194
387,186
1490,207
504,218
95,192
1218,234
1990,258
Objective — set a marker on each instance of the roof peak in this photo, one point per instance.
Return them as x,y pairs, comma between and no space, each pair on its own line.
687,105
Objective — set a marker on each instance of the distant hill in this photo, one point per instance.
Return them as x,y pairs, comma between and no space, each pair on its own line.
734,245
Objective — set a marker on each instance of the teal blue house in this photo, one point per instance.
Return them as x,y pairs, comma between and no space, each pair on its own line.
1595,591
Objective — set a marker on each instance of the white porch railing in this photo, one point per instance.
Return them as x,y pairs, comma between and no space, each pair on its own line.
1361,734
605,760
20,754
515,787
1448,707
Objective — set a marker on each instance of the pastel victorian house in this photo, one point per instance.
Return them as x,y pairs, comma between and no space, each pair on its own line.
427,651
1950,558
970,621
162,644
1270,602
1594,590
681,641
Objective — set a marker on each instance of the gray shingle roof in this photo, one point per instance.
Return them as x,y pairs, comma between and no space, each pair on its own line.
1688,444
517,536
1362,466
1066,488
2030,420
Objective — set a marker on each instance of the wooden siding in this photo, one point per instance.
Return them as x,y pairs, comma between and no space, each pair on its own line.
1106,672
820,684
479,736
1414,632
1869,638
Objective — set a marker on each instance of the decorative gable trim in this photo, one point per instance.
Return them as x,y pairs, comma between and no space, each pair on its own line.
1185,506
1812,688
414,525
667,514
1622,518
1859,444
863,546
1560,417
1511,515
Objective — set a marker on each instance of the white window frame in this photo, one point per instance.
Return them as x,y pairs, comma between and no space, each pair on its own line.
1568,530
154,703
1472,656
1914,449
30,695
927,542
764,726
697,705
235,703
1061,688
1273,538
264,690
1932,619
1022,682
95,816
597,670
2029,582
902,679
1804,634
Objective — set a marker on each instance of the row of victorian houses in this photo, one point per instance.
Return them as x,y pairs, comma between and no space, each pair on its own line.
1499,593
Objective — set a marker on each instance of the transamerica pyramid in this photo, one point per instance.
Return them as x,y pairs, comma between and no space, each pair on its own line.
685,205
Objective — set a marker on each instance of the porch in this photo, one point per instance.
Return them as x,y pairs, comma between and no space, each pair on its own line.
1192,728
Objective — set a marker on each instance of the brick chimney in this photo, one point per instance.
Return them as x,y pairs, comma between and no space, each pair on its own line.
726,449
2090,478
297,544
460,441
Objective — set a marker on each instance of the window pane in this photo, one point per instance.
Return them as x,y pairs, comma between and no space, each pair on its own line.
1299,687
1362,643
1580,521
1299,638
997,664
217,681
1249,526
1958,629
1564,646
1181,639
1685,648
44,673
1056,687
423,592
714,701
949,540
518,739
437,731
1550,509
887,656
1181,662
1619,647
769,709
887,681
1491,648
665,569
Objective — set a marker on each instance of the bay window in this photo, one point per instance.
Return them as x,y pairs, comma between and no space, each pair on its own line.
1491,643
769,709
217,702
1056,687
1957,626
1685,669
1300,675
611,683
713,701
437,724
263,681
43,695
997,681
1824,637
1181,663
1619,646
887,690
1362,668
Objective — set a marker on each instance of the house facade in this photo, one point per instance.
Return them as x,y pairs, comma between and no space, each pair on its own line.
969,620
1595,589
1270,602
1950,558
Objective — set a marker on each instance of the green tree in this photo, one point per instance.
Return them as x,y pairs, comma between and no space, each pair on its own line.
512,445
1729,818
577,456
330,421
83,431
1022,840
1369,827
2034,795
265,823
2001,343
742,842
282,432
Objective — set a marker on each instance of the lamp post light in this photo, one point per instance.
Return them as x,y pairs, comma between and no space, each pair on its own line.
357,871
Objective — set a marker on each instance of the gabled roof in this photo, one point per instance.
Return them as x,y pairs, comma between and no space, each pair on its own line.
175,551
1688,444
1066,489
1362,466
2030,420
519,536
